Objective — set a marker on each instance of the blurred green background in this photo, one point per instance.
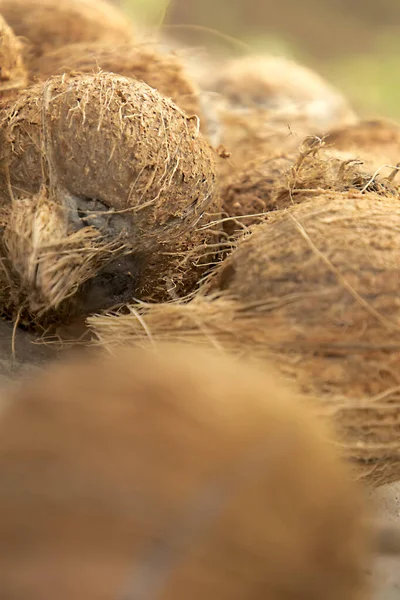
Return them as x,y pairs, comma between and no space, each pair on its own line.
354,43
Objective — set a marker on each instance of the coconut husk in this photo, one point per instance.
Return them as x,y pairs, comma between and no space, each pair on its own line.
51,24
375,142
287,179
225,483
121,158
13,76
162,71
261,103
314,290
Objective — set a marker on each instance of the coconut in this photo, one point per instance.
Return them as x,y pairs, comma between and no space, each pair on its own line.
13,76
50,24
177,471
314,289
286,179
265,102
162,71
375,142
121,159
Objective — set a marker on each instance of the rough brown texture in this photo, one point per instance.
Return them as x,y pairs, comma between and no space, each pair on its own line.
287,179
177,474
13,76
315,289
162,71
50,24
121,158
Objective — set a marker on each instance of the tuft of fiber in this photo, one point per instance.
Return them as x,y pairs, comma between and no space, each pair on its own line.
175,470
287,179
314,290
50,24
162,71
13,76
123,159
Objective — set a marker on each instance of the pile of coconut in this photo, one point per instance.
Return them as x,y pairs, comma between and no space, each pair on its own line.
242,206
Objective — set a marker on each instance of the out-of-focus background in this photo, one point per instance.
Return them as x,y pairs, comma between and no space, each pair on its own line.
354,43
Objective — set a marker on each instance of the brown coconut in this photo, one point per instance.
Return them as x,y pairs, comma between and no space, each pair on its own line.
375,142
13,76
50,24
162,71
315,290
178,474
265,102
120,159
286,179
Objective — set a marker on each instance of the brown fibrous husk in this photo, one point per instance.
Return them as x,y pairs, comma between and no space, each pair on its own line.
287,179
122,158
13,76
182,454
162,71
50,24
315,290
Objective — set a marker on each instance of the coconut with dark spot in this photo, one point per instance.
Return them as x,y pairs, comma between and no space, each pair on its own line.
118,158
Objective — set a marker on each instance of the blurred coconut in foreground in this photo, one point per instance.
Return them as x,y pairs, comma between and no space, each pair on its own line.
49,24
101,169
179,471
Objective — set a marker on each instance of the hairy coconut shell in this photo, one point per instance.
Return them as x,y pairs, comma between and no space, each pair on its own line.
13,76
287,179
162,71
121,158
50,24
315,290
178,471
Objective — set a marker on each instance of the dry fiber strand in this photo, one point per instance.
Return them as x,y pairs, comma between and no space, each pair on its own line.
264,102
162,71
286,179
315,289
50,24
175,474
13,76
375,142
121,158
